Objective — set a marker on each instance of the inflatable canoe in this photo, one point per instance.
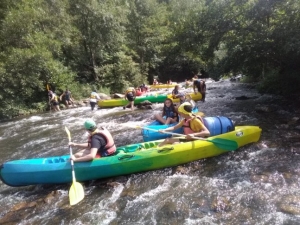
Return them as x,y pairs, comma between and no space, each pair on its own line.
157,86
139,99
127,159
216,125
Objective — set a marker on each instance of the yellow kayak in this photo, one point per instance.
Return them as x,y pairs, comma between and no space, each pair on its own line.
156,86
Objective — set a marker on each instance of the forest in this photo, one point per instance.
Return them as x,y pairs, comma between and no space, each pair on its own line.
109,45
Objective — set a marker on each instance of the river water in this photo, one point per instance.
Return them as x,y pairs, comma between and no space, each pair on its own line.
257,184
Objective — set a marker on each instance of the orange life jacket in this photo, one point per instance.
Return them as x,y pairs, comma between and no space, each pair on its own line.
186,125
110,146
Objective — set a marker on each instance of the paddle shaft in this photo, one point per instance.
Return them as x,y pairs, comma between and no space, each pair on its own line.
49,99
72,165
76,192
175,134
71,153
225,144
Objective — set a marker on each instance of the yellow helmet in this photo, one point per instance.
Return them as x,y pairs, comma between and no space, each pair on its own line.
185,108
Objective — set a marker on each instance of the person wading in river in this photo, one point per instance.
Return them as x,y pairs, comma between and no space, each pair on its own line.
68,100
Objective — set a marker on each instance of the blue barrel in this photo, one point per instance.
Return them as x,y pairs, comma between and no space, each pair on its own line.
218,125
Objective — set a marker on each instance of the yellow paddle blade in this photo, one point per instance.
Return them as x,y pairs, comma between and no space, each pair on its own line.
76,193
68,133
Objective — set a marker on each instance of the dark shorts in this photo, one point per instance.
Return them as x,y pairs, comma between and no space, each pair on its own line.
55,103
130,97
93,104
105,153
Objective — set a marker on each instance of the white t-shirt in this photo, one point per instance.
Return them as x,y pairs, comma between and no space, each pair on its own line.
94,97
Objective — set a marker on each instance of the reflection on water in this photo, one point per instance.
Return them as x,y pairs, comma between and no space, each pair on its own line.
257,184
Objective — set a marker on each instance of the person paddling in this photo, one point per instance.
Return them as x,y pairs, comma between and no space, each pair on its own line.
100,143
193,126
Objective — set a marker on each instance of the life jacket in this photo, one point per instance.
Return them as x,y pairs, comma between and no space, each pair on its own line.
130,90
168,112
175,91
55,98
67,94
93,95
110,146
187,127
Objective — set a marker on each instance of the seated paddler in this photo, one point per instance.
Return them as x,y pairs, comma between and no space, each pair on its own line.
193,126
100,143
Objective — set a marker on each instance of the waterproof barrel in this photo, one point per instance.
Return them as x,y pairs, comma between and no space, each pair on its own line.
218,125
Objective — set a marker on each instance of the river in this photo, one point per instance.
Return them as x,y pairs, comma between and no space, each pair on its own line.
257,184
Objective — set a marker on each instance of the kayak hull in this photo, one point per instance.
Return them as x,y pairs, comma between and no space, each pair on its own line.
127,160
157,86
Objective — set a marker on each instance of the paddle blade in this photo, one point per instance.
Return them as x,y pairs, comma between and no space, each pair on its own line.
225,144
68,133
76,193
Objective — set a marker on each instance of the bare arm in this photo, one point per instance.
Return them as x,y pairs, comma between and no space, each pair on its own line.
194,87
174,127
87,157
81,145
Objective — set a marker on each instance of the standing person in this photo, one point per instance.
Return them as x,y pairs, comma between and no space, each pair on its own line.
68,100
201,87
100,143
169,114
193,126
53,99
143,88
175,92
94,99
130,95
155,82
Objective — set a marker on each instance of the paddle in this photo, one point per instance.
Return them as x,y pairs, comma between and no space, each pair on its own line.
49,102
76,192
225,144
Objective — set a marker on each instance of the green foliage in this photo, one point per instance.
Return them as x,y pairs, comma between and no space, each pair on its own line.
121,74
110,45
286,84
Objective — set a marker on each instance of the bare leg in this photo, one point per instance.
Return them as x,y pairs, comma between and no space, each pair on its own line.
67,104
168,141
132,105
170,120
159,118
